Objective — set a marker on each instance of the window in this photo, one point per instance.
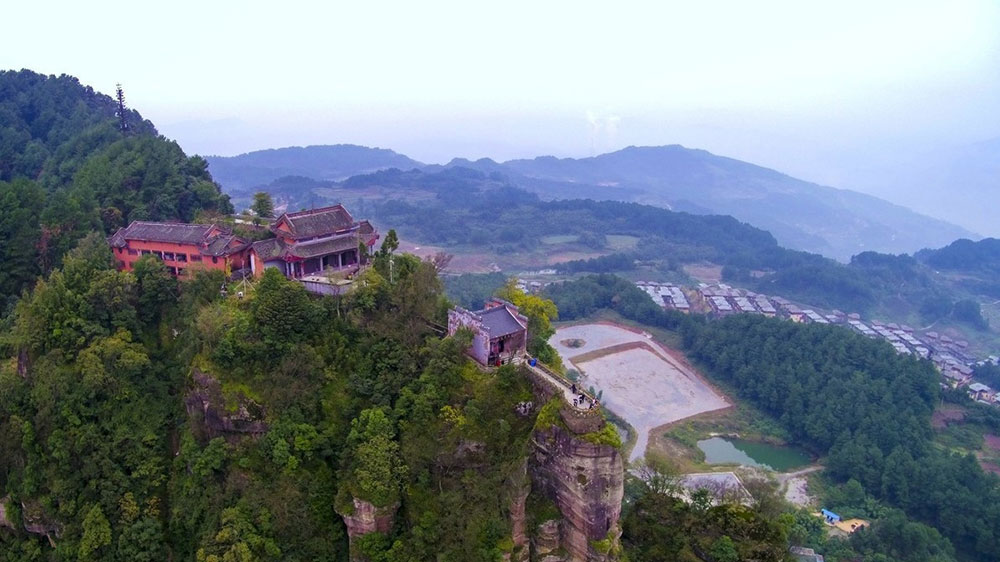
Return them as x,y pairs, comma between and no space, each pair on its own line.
168,256
195,257
121,265
215,259
180,271
181,257
132,252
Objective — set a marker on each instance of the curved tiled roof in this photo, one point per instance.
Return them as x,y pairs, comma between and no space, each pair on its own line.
269,249
315,222
500,322
323,247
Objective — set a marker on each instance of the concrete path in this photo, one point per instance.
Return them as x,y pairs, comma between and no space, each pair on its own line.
565,386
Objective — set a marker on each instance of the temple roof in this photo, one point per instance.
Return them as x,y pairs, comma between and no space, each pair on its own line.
323,247
223,244
176,233
315,222
500,321
269,249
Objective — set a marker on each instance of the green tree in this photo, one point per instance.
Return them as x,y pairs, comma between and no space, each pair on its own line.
376,467
96,534
263,205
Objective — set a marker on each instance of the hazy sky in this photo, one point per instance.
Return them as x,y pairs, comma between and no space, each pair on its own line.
827,91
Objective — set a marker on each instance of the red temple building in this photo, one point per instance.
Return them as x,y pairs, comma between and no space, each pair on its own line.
307,244
499,331
311,242
180,246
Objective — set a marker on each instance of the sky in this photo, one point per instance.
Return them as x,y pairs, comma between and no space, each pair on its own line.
841,93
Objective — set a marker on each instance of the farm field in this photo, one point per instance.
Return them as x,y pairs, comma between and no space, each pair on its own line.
640,380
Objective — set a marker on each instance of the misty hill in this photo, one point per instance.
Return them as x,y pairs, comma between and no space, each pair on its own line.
325,162
956,184
800,214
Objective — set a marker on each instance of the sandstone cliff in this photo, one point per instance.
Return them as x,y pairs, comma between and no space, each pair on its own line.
585,481
365,518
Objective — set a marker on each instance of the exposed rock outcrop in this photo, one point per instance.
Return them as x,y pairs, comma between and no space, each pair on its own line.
206,406
585,480
366,518
4,518
518,488
546,541
38,523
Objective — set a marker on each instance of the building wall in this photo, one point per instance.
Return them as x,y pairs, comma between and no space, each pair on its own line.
126,257
480,348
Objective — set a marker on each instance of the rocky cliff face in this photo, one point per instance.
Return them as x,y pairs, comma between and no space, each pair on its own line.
586,483
206,407
4,518
37,522
518,489
366,518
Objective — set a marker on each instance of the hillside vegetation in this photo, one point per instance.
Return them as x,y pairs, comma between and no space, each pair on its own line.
67,168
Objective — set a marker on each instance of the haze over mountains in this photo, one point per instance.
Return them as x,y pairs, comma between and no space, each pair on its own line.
802,215
957,184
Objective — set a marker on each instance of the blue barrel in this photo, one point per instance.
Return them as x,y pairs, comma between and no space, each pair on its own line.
532,361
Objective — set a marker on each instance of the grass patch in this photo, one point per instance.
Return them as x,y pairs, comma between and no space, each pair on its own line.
559,239
621,241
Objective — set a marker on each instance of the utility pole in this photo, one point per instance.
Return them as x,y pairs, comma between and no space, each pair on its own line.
122,121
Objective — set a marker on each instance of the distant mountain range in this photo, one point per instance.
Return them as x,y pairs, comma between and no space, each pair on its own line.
327,162
802,215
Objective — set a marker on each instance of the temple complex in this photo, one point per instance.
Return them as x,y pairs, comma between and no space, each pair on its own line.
307,245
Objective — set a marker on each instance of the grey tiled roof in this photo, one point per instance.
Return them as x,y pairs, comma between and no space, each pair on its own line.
500,321
220,245
269,249
317,222
324,247
177,233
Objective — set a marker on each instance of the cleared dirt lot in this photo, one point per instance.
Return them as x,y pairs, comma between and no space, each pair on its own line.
640,380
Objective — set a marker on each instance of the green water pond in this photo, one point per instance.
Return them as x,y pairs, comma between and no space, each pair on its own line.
726,450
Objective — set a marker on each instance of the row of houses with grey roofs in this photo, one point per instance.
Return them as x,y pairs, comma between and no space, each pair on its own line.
952,357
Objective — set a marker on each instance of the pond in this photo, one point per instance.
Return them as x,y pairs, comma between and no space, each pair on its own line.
719,450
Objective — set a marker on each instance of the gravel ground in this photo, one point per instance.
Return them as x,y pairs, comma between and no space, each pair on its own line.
645,387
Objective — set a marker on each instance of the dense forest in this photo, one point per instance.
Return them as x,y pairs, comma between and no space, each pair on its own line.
69,165
854,400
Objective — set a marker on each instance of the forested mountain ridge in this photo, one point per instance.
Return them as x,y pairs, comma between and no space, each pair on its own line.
41,117
802,215
67,168
321,162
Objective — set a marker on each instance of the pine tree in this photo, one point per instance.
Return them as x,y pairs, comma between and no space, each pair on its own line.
121,111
